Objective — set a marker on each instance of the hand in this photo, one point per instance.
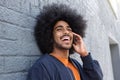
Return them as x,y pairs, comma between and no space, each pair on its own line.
79,45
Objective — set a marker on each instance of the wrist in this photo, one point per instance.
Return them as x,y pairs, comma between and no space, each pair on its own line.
83,54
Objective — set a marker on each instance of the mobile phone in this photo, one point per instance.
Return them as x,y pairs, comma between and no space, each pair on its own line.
74,39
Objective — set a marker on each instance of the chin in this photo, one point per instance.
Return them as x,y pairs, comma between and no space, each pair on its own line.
67,47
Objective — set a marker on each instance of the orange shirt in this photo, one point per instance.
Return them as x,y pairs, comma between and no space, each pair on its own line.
68,64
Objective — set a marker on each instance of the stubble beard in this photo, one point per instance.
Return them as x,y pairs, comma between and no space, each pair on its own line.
59,46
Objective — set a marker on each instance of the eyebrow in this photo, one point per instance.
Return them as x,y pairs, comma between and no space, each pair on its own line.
61,26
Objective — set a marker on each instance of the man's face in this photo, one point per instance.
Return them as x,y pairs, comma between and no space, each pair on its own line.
63,35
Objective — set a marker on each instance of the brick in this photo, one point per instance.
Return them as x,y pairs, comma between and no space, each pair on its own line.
2,61
8,31
2,2
34,11
16,18
19,5
18,48
12,4
25,7
35,2
13,76
16,41
15,64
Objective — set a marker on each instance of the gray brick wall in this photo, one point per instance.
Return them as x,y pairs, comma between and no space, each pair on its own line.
18,50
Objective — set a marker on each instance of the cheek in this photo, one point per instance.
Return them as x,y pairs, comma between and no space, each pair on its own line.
57,36
71,36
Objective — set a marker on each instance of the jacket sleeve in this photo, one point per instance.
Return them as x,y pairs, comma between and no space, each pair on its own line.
38,73
92,68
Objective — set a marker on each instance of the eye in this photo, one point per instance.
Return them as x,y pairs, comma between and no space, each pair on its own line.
58,29
69,29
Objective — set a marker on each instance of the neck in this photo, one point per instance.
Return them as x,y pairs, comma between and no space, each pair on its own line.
61,53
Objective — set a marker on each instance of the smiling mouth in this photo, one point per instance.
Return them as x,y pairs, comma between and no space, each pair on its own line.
65,38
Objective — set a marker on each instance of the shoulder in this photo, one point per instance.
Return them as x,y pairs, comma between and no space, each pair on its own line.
41,64
44,59
39,68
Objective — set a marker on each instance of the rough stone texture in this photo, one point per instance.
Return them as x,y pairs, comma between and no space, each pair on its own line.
18,50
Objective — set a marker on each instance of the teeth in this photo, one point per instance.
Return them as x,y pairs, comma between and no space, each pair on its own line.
66,37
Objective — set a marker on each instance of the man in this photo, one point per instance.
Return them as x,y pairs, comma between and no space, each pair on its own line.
58,33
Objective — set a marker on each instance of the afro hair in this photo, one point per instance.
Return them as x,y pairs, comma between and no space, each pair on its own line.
46,20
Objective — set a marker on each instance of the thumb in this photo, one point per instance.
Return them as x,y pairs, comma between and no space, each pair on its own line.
74,46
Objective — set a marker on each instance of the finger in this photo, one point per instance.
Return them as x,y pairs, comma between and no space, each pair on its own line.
74,45
77,35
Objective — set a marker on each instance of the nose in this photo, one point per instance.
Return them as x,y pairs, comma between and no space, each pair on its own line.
66,31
